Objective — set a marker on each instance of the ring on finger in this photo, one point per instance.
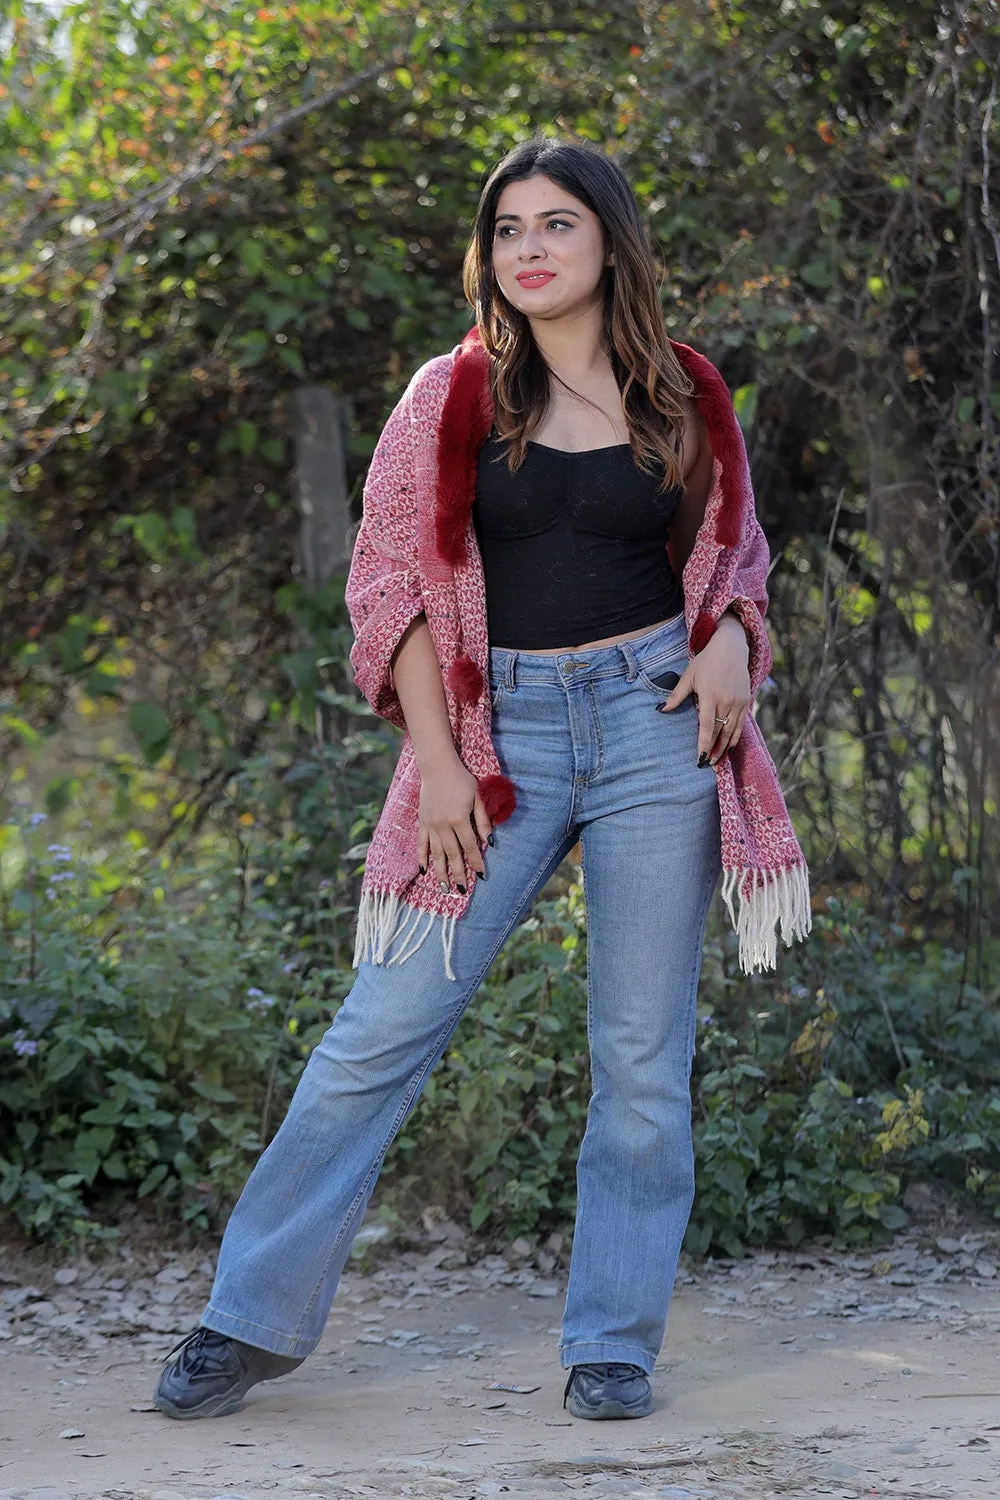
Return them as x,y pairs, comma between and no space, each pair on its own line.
725,720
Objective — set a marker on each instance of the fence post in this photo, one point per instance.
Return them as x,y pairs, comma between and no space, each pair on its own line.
321,421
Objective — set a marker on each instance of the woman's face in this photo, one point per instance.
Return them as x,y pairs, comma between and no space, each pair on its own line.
549,254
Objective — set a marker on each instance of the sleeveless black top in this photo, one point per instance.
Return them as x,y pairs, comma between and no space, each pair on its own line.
574,545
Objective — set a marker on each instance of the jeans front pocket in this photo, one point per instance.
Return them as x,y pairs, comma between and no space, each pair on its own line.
660,676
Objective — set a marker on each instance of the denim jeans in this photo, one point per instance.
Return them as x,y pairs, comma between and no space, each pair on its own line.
591,760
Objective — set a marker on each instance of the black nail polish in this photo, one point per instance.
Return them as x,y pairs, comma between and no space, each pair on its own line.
460,887
480,875
490,840
661,708
703,758
422,869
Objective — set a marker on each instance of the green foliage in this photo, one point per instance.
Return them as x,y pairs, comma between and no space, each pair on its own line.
208,206
149,1045
867,1061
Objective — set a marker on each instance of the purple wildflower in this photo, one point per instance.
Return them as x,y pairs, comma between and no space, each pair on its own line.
24,1046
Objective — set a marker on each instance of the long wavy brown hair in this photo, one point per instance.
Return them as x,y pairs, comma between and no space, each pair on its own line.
652,382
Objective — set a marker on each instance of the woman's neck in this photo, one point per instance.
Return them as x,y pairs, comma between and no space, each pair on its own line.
573,347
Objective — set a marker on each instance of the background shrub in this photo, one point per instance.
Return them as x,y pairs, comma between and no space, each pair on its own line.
149,1049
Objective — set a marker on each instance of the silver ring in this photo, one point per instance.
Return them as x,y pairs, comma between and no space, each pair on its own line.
725,720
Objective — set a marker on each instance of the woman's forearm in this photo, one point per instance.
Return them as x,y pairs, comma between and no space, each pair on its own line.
417,675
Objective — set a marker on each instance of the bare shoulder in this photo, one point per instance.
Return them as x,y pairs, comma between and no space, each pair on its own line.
696,455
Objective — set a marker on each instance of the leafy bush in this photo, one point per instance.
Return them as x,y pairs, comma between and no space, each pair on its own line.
151,1036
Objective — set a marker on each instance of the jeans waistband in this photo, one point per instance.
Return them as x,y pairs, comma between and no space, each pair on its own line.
624,659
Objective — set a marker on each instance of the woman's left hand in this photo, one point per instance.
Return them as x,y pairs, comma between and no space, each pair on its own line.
720,681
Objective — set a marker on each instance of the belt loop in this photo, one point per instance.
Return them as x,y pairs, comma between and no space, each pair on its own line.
630,661
510,680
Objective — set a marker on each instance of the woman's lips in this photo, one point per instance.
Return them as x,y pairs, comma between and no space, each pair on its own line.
530,279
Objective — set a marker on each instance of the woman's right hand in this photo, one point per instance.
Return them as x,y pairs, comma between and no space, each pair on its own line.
451,814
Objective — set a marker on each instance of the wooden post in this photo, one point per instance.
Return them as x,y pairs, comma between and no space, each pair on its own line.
321,424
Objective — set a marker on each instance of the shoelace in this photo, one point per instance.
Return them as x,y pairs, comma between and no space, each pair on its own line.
603,1372
196,1351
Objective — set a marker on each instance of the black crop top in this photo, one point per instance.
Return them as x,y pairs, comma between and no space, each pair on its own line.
574,545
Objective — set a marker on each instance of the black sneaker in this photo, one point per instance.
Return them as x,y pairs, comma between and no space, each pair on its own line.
212,1373
607,1391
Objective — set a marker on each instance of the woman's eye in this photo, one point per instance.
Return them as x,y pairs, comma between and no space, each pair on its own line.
506,230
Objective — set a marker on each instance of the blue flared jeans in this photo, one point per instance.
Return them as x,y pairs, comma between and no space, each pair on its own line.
591,760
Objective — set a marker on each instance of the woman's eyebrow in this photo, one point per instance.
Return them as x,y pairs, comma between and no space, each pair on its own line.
546,213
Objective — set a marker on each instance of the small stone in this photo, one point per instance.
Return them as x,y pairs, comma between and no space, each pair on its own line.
947,1245
452,1259
173,1272
543,1289
18,1295
66,1276
520,1249
72,1432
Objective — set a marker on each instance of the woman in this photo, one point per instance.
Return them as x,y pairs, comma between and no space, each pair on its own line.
554,476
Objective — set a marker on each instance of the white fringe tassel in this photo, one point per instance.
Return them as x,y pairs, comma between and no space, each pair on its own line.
778,898
383,919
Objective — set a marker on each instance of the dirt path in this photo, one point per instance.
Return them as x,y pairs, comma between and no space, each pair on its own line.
791,1375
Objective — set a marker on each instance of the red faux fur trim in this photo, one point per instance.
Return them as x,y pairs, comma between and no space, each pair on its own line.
716,406
702,632
465,422
465,679
499,797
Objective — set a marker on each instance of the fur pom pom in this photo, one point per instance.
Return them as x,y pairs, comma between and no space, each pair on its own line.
465,680
499,798
702,632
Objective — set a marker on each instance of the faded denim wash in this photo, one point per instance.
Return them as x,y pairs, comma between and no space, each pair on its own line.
591,759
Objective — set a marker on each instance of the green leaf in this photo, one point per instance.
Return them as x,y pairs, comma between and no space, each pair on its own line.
152,1179
252,256
292,359
24,731
816,273
745,405
151,728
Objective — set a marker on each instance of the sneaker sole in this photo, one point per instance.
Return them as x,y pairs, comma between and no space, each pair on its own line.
608,1411
221,1405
